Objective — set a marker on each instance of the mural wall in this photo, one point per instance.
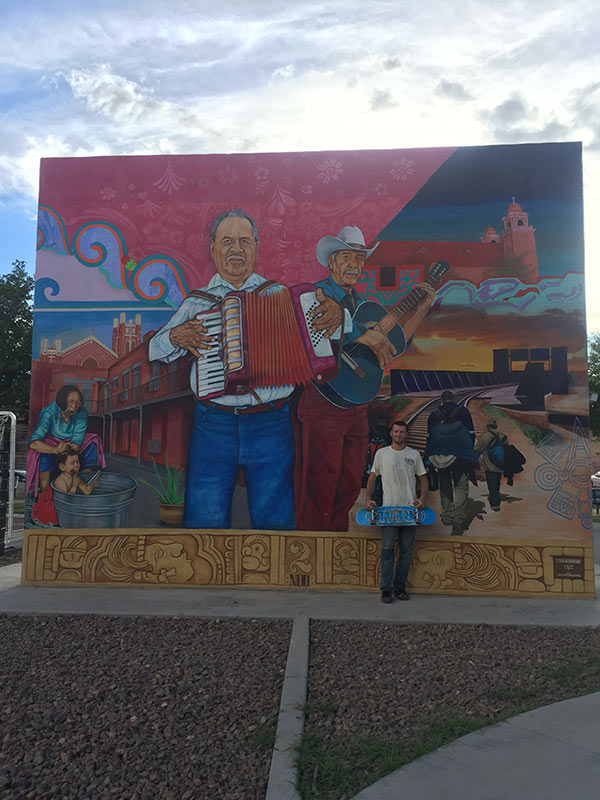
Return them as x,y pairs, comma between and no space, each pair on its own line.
233,335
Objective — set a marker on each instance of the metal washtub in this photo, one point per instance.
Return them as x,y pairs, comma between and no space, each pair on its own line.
106,507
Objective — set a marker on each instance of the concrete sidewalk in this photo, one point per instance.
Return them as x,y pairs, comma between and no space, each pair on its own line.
551,753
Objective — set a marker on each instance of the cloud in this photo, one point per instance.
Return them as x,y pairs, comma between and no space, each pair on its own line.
283,73
391,62
509,112
381,98
112,95
455,91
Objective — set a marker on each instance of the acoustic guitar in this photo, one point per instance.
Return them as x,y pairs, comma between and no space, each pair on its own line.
359,378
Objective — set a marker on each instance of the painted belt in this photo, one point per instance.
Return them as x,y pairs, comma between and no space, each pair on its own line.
237,410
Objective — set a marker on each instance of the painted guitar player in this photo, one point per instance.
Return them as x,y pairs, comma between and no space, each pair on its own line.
333,416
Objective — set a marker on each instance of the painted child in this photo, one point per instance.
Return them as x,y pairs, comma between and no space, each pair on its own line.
69,480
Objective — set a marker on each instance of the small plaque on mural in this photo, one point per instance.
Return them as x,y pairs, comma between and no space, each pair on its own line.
568,566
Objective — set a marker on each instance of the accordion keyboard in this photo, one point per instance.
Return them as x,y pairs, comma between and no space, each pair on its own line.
211,374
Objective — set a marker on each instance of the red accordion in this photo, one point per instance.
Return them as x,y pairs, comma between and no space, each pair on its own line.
263,339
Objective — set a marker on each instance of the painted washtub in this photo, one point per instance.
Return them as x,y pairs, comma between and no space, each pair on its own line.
106,507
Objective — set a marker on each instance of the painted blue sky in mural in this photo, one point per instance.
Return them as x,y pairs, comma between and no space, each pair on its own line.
473,188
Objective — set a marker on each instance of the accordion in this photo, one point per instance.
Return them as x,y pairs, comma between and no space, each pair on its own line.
263,339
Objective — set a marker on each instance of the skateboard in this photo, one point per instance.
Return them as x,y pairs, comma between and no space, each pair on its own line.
396,515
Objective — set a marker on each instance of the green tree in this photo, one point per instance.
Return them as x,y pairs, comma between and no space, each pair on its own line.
16,324
594,381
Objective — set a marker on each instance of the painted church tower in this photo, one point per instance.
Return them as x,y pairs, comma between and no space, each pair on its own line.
518,240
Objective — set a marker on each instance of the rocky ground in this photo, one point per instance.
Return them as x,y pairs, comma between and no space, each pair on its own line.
393,681
139,708
11,555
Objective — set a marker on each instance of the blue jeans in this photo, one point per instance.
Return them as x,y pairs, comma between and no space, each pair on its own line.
221,442
406,541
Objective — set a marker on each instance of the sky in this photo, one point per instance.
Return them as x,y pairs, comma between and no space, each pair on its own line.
162,76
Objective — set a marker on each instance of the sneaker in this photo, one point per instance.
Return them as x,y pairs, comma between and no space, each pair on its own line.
446,520
401,594
495,508
457,529
386,596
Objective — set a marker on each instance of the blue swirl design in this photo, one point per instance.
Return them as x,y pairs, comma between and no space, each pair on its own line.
45,288
51,232
100,244
159,278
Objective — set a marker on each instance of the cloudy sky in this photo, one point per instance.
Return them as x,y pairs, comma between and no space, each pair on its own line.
161,76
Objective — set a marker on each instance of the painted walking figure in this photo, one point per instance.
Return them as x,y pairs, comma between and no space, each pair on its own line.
449,449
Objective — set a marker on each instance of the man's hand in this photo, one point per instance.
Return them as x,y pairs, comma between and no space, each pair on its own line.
379,344
419,503
371,505
425,304
62,447
192,336
328,316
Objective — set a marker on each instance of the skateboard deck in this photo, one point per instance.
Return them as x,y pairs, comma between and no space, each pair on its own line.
396,515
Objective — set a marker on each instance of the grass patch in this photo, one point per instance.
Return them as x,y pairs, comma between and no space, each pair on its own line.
322,707
533,433
576,671
263,737
493,411
328,772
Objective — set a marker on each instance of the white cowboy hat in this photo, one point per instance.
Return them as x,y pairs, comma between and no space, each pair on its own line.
349,238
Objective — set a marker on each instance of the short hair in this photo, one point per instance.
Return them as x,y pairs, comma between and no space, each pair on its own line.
398,422
236,212
447,396
64,392
61,458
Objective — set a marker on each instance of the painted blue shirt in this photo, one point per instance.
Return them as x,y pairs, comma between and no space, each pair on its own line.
51,423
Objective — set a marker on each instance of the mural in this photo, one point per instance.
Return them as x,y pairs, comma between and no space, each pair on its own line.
223,341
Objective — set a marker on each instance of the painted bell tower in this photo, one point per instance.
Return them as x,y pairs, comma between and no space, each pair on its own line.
518,239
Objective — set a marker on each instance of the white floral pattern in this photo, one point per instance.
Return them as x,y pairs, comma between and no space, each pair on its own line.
402,169
329,170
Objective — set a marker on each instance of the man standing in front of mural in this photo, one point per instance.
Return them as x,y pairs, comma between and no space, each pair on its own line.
399,467
335,439
251,429
450,439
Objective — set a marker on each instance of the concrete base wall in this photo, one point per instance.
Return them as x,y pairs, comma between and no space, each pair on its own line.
466,565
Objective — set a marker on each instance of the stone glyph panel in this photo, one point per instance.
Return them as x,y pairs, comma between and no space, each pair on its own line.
304,560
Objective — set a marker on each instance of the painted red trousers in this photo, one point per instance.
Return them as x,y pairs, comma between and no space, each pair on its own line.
331,456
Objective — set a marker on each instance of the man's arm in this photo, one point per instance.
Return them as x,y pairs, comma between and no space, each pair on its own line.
423,489
370,503
181,334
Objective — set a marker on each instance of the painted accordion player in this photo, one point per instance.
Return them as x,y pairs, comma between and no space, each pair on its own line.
263,339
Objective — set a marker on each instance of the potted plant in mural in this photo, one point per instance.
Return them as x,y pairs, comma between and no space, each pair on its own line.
170,495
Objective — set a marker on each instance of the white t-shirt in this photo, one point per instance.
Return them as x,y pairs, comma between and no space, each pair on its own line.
398,469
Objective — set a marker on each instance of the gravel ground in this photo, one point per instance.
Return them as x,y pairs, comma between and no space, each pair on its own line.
11,556
142,708
392,681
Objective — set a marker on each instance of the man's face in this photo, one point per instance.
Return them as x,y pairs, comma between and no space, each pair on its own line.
398,434
234,250
73,403
71,465
346,267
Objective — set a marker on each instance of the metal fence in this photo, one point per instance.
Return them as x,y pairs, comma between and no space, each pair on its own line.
13,461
